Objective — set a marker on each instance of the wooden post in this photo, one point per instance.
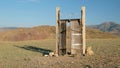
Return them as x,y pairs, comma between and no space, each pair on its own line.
83,29
60,34
57,29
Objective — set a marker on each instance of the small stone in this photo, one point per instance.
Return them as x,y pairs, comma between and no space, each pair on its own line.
46,55
51,54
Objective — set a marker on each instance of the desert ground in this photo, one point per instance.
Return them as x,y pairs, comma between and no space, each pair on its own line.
29,54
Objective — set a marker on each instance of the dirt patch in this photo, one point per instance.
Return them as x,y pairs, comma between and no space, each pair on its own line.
65,62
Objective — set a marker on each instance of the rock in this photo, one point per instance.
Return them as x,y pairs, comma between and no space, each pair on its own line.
46,55
51,54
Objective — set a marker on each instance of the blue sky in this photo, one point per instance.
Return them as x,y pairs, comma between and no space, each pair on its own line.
28,13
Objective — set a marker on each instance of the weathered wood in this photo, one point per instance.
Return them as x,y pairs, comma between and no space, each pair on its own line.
57,29
76,36
60,34
83,29
62,46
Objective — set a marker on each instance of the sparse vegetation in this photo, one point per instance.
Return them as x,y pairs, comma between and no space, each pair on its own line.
28,54
47,32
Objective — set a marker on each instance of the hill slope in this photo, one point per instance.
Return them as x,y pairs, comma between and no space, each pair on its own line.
35,33
45,32
95,33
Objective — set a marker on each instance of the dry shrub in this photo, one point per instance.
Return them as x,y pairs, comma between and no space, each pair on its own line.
89,51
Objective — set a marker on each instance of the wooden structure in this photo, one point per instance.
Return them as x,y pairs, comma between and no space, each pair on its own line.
78,40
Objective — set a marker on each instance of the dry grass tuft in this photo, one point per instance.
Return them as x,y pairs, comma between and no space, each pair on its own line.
89,51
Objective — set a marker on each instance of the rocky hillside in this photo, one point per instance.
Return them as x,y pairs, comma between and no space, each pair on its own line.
46,32
110,27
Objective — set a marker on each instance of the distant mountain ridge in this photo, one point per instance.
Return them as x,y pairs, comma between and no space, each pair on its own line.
110,27
7,28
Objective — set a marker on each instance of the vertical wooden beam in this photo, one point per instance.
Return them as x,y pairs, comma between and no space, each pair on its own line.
57,29
83,29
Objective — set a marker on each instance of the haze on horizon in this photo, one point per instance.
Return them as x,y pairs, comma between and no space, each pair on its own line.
28,13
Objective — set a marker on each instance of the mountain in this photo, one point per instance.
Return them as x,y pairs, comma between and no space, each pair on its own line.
47,32
110,27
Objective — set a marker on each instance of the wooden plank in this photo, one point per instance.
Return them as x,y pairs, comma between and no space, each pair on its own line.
76,38
62,46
